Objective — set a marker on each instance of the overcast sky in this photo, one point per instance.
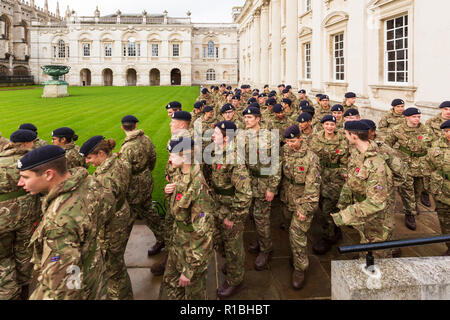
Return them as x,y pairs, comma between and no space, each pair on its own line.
202,10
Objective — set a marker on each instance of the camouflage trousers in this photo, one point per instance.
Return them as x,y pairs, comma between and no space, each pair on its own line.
260,210
230,243
419,187
406,191
197,288
169,221
298,239
117,233
327,206
145,211
375,231
443,211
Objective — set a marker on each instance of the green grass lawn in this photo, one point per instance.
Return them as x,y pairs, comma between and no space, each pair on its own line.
97,111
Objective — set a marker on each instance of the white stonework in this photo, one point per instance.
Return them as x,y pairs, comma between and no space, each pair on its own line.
274,36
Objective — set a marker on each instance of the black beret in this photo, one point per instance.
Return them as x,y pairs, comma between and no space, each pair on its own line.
208,109
411,112
90,145
337,107
445,125
302,91
40,156
130,119
327,118
223,85
350,95
397,102
304,103
271,102
272,94
255,94
251,111
304,117
255,90
281,85
251,100
445,104
287,101
318,95
372,125
356,126
212,87
292,132
202,101
28,126
63,132
182,115
323,97
243,86
236,97
351,112
229,88
205,91
266,86
309,109
227,107
262,95
278,108
254,105
198,105
23,135
289,87
226,125
285,91
216,88
180,144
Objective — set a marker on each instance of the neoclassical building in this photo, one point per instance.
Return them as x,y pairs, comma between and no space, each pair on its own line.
129,50
379,49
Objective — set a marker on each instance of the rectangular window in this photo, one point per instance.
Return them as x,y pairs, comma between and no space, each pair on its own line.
132,49
339,57
124,47
176,50
87,50
308,5
108,50
396,50
308,60
217,52
155,50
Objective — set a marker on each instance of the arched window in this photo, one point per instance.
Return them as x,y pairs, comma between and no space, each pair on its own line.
5,27
211,75
210,49
132,47
61,49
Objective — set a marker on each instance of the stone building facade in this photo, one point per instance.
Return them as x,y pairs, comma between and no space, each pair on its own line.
379,49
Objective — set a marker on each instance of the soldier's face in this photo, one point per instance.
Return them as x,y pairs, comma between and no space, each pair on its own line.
414,120
33,183
301,96
325,103
338,115
251,121
350,137
372,134
96,159
294,144
304,125
446,113
170,112
217,137
447,134
279,116
177,125
235,103
329,127
399,109
57,141
352,118
228,115
176,159
209,115
262,101
286,107
351,101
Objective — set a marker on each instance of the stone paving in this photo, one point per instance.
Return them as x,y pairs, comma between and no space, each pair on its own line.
274,283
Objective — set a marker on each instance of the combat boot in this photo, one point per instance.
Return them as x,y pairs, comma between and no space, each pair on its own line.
226,291
410,222
425,199
224,269
298,279
254,247
322,246
24,294
337,235
153,251
158,268
262,261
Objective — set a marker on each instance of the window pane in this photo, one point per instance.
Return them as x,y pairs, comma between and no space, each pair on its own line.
390,45
390,24
391,55
399,33
400,66
406,43
390,35
406,31
391,76
398,44
400,55
391,66
399,22
400,77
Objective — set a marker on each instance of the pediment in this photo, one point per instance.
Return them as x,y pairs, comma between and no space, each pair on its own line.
334,17
304,31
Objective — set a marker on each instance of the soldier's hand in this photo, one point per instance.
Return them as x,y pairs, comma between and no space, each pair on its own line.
269,196
183,282
170,188
167,178
228,224
300,216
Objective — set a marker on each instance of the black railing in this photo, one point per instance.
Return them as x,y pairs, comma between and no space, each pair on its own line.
16,79
370,247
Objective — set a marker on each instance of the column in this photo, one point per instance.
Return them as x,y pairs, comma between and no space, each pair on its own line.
291,42
276,42
256,48
264,62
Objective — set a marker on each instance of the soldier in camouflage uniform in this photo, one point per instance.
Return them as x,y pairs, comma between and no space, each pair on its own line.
138,150
413,139
438,160
207,97
332,149
265,180
204,124
233,195
267,114
393,118
280,122
349,101
115,175
435,123
65,138
38,142
228,113
365,202
18,216
289,110
197,112
302,97
323,110
338,112
3,142
67,255
175,106
246,94
305,125
193,209
300,193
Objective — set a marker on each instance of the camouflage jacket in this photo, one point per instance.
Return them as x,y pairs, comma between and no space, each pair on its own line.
67,254
318,116
193,209
346,107
74,159
413,144
307,137
195,116
301,178
390,120
434,125
366,193
207,129
209,99
333,155
237,120
232,185
3,142
171,171
438,161
138,150
17,208
297,103
281,126
40,143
